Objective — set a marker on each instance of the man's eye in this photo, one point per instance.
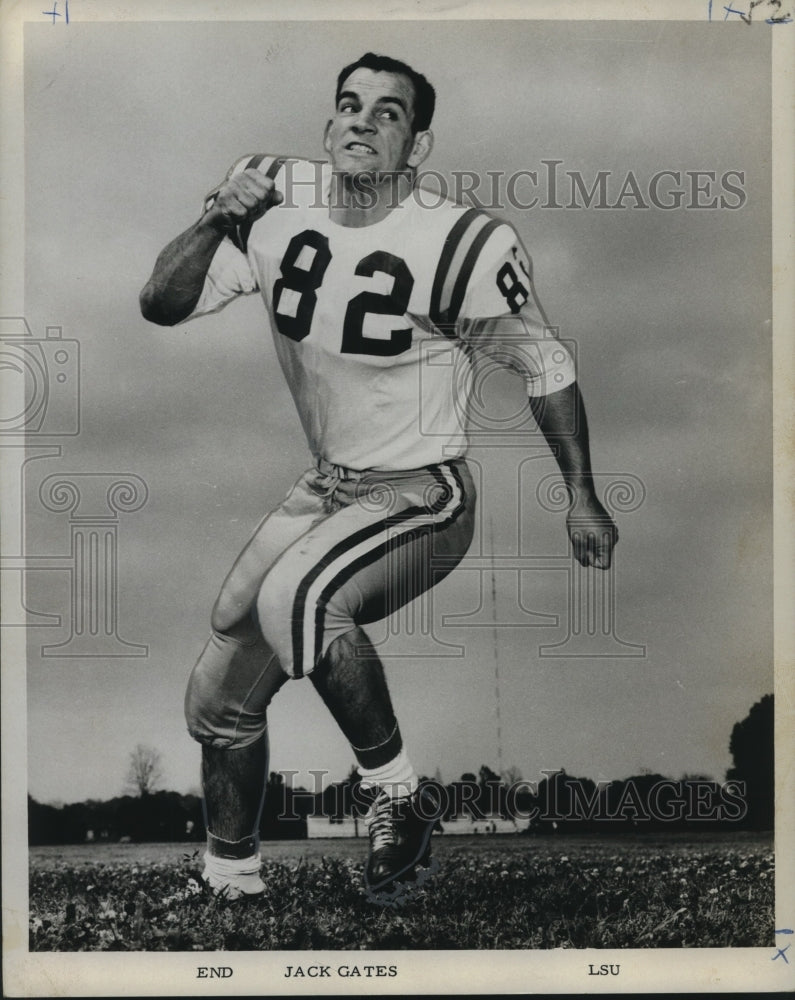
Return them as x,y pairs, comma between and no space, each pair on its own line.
388,113
346,107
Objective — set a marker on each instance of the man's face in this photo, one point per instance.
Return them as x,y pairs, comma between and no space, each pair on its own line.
371,129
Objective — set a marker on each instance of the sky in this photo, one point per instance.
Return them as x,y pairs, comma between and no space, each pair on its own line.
127,126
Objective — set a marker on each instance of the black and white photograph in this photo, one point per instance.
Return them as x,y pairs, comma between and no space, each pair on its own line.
396,499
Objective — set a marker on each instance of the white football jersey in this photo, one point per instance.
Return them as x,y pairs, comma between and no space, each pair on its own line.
376,327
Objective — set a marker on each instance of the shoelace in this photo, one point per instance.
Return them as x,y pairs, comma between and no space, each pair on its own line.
380,822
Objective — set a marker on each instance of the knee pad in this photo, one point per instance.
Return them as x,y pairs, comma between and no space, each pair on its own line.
226,621
228,693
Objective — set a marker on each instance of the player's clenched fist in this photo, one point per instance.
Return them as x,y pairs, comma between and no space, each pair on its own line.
592,532
245,197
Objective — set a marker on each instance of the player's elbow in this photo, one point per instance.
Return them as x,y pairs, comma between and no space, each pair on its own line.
155,309
151,308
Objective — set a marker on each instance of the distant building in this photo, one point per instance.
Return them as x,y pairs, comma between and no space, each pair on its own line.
323,826
486,825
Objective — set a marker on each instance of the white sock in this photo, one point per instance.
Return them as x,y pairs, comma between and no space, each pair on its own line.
397,777
240,873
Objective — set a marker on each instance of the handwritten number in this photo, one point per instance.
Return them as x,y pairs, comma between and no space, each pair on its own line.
55,13
758,3
778,17
775,18
394,304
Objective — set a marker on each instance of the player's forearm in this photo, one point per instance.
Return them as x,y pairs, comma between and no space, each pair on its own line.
562,420
178,277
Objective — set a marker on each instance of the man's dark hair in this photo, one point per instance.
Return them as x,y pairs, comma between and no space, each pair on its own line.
424,94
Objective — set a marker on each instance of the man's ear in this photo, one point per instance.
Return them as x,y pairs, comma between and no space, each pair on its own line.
326,140
421,150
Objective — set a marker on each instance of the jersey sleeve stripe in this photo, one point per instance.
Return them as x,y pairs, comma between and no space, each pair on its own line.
239,165
459,291
276,164
239,236
236,236
440,283
255,161
275,167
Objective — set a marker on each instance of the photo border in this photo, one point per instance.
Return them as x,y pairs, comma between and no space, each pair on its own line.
554,971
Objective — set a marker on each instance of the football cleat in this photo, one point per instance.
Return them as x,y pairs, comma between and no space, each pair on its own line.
400,831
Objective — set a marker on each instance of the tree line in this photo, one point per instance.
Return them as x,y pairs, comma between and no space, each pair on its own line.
554,802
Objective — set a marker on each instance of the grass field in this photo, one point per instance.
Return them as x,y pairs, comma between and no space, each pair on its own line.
507,892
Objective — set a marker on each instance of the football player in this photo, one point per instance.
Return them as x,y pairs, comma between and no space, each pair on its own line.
363,282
